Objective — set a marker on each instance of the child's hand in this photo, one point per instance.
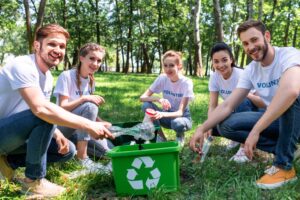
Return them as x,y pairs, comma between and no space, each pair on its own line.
165,104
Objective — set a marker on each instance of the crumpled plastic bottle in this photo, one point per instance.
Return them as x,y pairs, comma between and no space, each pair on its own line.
205,148
144,131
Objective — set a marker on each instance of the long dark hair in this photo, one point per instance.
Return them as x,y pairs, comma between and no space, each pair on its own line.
222,46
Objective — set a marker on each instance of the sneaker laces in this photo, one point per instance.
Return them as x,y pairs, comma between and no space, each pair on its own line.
272,170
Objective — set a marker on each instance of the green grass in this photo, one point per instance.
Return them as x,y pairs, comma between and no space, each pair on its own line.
216,178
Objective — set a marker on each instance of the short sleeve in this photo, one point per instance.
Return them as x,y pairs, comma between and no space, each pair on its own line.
244,80
157,85
62,85
212,84
189,92
22,76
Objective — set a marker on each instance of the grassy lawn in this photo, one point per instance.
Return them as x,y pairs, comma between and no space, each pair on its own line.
216,178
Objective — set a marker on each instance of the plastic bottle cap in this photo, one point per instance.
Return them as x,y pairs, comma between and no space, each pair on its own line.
150,112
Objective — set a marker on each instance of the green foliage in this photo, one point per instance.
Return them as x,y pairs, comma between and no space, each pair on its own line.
159,25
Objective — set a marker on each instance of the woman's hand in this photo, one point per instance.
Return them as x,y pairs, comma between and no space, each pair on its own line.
96,99
165,103
158,115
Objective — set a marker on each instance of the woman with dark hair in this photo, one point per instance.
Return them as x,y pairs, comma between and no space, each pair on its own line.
75,92
221,83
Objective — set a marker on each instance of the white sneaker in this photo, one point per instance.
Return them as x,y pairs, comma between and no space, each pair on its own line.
94,167
180,141
232,144
240,156
91,167
42,187
297,153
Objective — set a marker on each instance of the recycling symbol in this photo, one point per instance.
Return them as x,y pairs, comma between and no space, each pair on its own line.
153,178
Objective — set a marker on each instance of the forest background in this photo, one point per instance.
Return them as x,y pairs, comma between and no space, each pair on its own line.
137,32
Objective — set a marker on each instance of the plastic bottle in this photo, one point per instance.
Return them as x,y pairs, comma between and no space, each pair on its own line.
144,131
205,148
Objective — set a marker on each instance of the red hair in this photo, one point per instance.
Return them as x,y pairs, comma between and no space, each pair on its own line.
174,54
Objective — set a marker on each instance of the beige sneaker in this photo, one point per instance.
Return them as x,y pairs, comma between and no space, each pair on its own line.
6,172
42,187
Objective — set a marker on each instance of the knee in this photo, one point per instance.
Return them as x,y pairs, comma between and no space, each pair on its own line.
179,125
72,150
225,129
47,127
147,105
90,110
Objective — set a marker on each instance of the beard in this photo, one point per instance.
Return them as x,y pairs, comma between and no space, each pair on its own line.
264,49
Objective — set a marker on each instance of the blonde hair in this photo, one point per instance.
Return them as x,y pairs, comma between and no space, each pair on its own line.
175,54
83,51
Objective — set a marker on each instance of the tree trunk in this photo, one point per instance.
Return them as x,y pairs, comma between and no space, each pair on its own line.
249,9
40,16
95,7
146,65
159,24
260,9
243,60
295,36
218,21
197,45
67,62
117,59
129,35
28,26
119,39
287,28
250,16
272,15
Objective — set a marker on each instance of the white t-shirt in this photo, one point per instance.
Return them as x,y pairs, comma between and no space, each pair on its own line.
173,91
22,72
225,87
265,79
66,86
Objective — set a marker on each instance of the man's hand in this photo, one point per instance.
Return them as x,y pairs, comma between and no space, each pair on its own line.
105,123
62,142
196,141
250,144
98,130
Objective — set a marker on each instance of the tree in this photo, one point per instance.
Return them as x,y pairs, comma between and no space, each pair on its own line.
218,21
39,21
197,45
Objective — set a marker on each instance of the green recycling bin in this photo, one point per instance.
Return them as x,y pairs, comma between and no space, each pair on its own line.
138,169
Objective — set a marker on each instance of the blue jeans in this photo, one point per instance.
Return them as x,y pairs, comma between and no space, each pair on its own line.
279,138
87,110
245,106
178,124
27,136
